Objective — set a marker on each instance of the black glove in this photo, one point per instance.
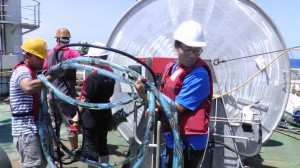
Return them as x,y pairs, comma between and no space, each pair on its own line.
56,71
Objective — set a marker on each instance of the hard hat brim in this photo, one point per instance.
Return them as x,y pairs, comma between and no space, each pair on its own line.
96,56
42,56
194,43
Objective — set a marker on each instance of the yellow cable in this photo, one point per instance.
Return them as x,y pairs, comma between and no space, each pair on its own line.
288,134
247,81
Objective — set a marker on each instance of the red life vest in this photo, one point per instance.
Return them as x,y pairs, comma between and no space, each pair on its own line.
36,97
191,122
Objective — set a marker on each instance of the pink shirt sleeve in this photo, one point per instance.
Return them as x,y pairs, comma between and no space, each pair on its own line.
68,54
71,54
45,66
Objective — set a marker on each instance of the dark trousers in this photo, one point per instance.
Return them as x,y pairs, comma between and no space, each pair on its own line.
95,143
195,156
96,124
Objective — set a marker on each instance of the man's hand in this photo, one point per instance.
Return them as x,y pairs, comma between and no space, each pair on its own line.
56,71
76,118
140,87
147,112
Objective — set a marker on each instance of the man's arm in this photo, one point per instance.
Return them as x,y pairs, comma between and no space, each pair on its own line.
31,86
83,99
181,109
81,109
139,85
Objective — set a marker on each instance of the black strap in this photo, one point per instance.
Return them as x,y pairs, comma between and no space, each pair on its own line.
22,114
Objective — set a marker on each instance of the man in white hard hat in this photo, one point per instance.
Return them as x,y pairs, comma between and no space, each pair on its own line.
188,83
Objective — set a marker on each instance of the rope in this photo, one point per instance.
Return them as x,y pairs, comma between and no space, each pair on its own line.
289,130
172,115
217,61
152,93
297,138
113,50
253,76
141,154
71,63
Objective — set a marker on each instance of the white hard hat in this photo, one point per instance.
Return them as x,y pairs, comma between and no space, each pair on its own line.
97,52
190,33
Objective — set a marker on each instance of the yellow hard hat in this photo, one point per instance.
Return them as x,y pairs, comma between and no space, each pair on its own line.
62,32
36,46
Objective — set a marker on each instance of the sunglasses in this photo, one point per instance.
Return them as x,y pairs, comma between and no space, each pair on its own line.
189,51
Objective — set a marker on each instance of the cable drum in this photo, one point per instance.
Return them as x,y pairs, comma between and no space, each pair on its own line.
233,29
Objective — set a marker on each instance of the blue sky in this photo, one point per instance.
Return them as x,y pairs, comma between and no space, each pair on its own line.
285,14
91,20
94,21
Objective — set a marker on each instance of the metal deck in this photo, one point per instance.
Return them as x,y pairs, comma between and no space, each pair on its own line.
118,147
280,151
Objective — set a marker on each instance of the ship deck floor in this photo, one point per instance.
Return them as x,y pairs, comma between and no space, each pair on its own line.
282,150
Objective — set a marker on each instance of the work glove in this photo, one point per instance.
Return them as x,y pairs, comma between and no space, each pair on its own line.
56,71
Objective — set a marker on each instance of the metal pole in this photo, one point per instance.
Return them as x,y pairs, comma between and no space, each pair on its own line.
158,144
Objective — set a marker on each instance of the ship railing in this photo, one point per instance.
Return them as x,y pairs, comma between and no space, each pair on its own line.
29,19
